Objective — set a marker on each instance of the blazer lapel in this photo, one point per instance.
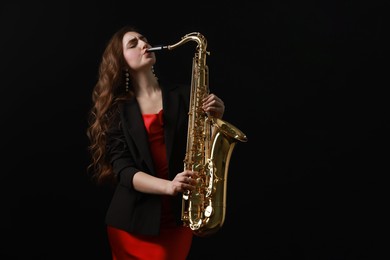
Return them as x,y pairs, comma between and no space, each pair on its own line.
135,125
170,106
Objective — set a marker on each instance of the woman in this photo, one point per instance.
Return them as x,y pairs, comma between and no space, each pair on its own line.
138,133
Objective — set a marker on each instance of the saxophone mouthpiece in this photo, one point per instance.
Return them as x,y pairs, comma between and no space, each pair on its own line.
157,48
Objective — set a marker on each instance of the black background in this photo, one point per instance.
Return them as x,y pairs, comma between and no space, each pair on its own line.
306,81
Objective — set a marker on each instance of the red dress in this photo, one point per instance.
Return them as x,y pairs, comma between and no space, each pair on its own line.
173,242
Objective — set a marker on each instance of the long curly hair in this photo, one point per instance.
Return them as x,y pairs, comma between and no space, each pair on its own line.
108,92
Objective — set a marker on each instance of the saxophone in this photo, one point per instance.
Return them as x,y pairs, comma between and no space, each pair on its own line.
210,143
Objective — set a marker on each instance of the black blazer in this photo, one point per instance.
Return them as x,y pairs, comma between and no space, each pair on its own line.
128,151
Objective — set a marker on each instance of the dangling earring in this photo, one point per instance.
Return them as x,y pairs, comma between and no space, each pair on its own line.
127,78
154,73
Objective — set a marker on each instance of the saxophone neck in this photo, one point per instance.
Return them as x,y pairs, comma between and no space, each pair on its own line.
194,36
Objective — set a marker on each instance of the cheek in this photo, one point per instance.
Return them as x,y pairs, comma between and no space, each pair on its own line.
131,58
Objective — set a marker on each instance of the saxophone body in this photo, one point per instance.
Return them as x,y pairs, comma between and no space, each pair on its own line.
210,143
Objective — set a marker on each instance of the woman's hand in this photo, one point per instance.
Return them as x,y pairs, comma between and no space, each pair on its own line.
214,106
183,181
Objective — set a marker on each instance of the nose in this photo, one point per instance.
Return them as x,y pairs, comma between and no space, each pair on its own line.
145,44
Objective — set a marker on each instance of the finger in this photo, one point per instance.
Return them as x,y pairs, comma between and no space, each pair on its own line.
209,98
187,180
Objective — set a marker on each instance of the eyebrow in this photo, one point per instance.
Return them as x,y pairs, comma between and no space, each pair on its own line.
135,38
131,40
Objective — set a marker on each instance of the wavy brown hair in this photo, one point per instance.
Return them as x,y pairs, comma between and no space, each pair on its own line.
108,92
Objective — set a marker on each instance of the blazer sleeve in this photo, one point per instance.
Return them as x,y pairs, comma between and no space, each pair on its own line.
120,156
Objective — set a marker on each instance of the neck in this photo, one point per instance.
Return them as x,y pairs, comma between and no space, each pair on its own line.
145,84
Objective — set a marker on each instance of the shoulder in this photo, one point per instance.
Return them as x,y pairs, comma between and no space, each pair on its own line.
169,86
177,88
